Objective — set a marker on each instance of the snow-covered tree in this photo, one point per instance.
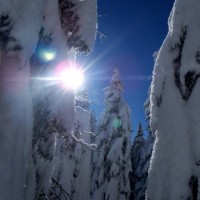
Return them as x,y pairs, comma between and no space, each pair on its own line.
174,109
141,152
26,30
110,179
149,141
19,27
137,155
82,99
54,145
93,123
82,153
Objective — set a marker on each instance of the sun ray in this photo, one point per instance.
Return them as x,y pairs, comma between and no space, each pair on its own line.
118,42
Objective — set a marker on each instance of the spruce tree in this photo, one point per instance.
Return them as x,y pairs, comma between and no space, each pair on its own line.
110,177
26,28
16,47
93,122
82,153
54,108
149,143
137,160
139,173
150,139
174,109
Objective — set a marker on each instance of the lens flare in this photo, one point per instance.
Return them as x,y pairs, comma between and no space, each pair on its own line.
48,55
70,75
117,123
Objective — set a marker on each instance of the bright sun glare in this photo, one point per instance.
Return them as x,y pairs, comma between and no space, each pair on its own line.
71,76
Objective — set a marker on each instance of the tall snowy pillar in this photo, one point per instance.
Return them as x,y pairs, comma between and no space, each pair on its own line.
174,170
18,37
15,128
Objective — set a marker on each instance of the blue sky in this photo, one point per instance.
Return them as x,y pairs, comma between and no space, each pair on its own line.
134,30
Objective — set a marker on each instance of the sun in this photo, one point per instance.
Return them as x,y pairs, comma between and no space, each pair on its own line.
71,75
72,78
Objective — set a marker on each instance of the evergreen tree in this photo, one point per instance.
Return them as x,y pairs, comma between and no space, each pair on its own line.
149,142
82,99
82,154
148,148
54,108
110,177
27,28
137,160
93,122
175,108
16,47
139,174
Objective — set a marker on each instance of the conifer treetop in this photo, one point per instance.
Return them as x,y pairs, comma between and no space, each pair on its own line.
139,138
140,130
115,81
114,90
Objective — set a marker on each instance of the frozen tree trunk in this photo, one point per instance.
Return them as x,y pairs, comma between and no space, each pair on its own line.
16,125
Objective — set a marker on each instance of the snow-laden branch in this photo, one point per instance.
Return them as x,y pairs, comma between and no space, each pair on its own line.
102,36
91,146
58,185
87,132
